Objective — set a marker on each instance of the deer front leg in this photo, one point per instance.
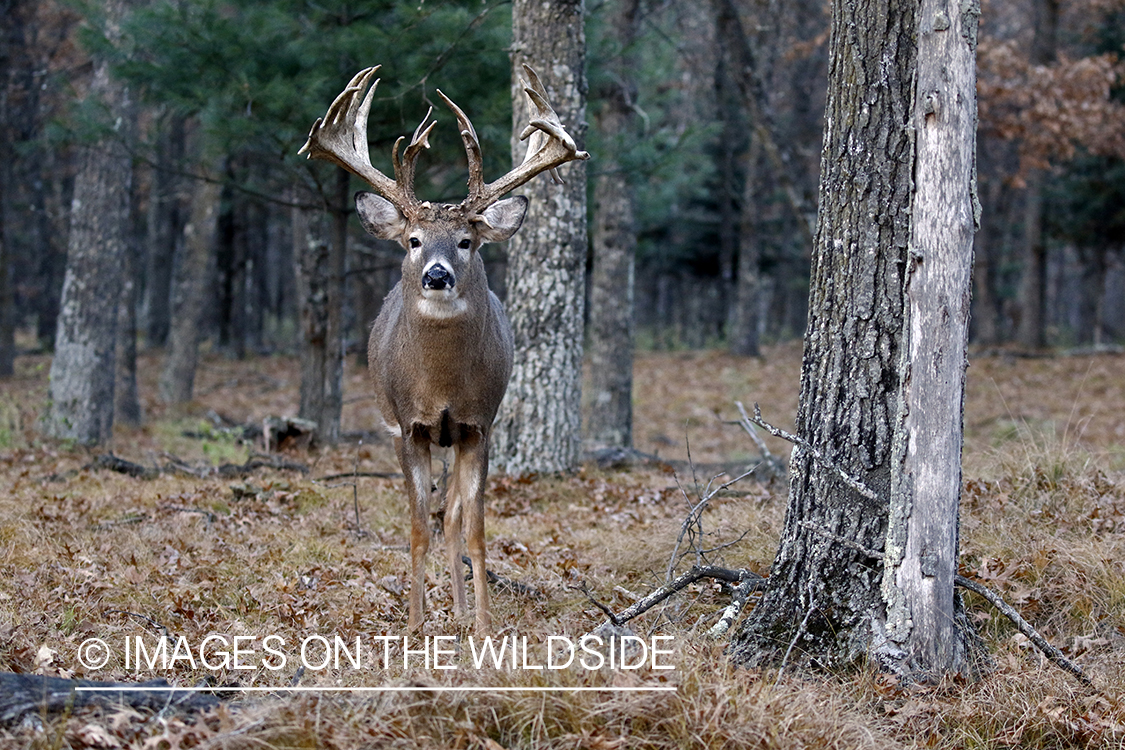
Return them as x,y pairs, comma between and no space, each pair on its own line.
414,457
470,471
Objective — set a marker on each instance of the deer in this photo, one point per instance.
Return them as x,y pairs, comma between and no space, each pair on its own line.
440,351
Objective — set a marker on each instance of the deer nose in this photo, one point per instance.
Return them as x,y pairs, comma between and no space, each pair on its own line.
437,277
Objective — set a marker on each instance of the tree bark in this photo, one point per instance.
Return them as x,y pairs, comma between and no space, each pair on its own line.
128,403
863,575
192,290
538,427
319,238
612,278
7,298
165,231
82,371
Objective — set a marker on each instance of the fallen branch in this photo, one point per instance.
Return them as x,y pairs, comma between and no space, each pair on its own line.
21,694
739,595
176,465
749,580
499,581
1053,654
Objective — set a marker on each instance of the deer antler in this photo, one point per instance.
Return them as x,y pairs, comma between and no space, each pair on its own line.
549,148
341,138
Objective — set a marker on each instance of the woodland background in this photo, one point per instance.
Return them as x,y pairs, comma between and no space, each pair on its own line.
723,171
227,91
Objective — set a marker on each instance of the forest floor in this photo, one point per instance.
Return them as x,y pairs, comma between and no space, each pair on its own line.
92,553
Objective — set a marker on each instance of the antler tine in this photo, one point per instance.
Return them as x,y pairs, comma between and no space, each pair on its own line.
549,147
472,148
404,167
341,135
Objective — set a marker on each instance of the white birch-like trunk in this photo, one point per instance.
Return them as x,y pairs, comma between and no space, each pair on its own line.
922,539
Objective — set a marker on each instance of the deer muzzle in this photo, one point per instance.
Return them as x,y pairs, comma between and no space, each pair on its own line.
438,277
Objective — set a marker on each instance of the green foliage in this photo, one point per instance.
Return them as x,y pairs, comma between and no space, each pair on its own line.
257,75
665,155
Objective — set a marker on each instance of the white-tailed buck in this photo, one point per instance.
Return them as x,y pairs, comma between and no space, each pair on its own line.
440,351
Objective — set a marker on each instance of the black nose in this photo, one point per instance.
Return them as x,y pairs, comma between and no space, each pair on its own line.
437,277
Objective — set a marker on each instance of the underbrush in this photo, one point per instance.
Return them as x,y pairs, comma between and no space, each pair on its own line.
88,553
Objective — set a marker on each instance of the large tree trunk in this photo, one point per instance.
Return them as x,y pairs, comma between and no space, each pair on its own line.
863,575
83,371
612,278
319,238
538,427
192,290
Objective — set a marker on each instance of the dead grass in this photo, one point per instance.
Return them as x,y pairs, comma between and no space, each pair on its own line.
97,554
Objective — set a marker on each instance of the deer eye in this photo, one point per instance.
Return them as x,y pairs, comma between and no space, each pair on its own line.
465,244
415,242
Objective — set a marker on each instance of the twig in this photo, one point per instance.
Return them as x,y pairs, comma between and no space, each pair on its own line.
748,426
753,581
823,460
368,474
801,630
740,594
516,587
605,610
1052,653
873,554
694,520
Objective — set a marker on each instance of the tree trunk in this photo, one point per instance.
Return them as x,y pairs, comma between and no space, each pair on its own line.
612,279
9,43
128,404
7,298
165,231
82,371
538,427
857,576
745,317
1032,332
319,238
192,290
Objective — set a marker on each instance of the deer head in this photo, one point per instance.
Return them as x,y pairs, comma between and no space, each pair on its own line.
440,351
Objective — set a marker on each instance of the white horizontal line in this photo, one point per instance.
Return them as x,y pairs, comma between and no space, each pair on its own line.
392,689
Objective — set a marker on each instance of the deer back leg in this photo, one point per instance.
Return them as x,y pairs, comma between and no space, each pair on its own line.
452,533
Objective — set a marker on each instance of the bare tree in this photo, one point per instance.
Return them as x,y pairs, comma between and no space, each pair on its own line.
612,337
538,427
869,551
82,371
192,290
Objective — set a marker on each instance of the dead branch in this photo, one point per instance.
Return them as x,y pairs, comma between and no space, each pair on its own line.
820,458
21,694
366,474
772,463
1053,654
508,584
740,594
739,577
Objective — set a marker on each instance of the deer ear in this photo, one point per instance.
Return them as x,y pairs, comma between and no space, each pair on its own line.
379,216
500,221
